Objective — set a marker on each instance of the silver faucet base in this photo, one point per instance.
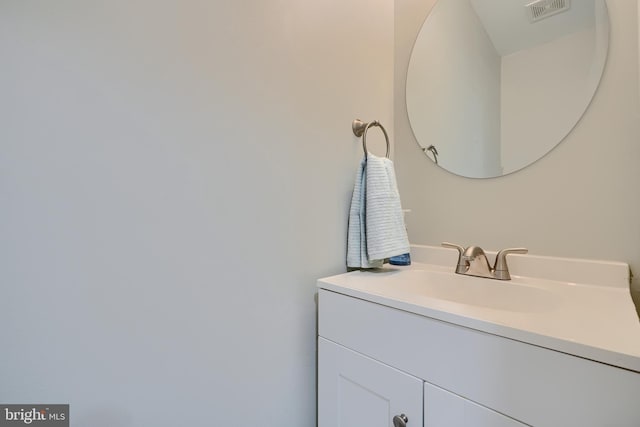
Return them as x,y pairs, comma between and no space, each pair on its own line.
472,261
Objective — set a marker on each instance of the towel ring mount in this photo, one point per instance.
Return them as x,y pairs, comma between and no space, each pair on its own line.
360,129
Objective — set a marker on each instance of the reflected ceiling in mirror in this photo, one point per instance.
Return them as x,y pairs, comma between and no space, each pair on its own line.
494,85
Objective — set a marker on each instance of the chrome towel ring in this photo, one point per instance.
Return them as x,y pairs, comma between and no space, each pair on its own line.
360,128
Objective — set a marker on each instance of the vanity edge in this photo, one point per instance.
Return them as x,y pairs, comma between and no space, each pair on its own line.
625,356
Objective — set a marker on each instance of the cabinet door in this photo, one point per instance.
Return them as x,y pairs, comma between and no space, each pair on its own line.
356,391
445,409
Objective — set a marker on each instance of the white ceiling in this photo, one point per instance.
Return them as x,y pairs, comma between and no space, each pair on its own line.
508,26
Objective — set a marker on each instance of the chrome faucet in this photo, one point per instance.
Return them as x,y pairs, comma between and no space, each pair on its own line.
472,261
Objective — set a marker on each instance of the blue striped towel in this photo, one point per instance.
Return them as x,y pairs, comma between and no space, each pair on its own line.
376,223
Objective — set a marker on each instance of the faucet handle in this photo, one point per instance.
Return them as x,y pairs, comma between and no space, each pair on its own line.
453,246
462,265
501,270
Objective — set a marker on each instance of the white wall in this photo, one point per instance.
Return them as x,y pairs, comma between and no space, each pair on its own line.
454,91
174,177
545,90
581,200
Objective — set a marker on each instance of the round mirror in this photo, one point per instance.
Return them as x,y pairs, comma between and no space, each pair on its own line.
494,85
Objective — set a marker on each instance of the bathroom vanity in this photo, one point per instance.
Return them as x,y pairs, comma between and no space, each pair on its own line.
558,345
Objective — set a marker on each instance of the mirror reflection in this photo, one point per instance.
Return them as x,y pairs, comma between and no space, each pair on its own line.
494,85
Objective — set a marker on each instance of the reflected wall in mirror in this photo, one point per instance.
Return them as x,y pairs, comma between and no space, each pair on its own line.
494,85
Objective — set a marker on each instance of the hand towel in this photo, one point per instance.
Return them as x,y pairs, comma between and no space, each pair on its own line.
376,224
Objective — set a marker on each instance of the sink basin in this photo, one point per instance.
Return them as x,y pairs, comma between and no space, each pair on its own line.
474,291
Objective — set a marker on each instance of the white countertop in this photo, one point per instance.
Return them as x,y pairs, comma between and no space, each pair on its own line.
593,321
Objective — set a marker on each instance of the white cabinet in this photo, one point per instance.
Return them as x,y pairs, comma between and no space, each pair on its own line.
376,362
356,391
445,409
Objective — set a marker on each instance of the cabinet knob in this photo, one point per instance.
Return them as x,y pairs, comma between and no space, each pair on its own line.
400,420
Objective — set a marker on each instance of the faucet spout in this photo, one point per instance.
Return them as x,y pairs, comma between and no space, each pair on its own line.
477,262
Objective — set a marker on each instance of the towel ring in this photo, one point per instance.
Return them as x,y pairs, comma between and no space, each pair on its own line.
360,128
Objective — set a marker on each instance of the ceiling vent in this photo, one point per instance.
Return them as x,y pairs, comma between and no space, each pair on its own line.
542,9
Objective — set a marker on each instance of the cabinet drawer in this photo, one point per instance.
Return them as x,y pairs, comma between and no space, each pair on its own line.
537,386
